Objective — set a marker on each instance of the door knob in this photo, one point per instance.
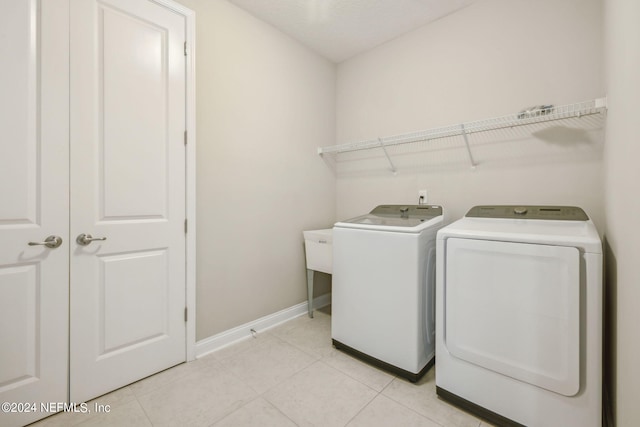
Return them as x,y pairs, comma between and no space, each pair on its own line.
85,239
50,242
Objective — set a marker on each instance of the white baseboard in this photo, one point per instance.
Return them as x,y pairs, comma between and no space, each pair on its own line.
239,333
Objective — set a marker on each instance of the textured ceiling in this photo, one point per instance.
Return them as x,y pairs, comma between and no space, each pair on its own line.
340,29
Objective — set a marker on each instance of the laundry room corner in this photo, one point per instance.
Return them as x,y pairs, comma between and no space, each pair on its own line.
489,59
264,104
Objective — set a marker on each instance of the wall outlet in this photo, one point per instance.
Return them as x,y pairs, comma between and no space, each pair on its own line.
422,197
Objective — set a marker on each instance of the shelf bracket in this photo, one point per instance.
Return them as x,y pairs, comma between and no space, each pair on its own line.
466,142
393,168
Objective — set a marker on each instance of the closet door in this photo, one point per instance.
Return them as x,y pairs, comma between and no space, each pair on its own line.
34,203
128,189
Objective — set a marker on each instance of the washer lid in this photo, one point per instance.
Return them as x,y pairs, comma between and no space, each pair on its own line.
406,218
556,213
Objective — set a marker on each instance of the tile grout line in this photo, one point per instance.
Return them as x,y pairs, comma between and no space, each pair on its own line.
279,410
353,378
144,411
280,342
414,411
363,408
407,407
262,395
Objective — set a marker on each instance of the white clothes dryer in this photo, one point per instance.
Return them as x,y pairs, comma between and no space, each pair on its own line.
383,305
519,315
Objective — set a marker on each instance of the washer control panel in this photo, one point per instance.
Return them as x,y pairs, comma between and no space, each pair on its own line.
408,211
556,213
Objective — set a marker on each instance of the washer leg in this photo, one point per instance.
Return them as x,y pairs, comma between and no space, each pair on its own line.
310,291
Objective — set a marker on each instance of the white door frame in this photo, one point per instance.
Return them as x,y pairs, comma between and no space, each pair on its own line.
190,193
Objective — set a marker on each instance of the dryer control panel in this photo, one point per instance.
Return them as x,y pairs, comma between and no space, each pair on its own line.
556,213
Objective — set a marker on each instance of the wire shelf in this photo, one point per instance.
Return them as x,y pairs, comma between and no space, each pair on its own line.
541,114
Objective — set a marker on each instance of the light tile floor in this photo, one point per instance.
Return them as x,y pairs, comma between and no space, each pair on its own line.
287,376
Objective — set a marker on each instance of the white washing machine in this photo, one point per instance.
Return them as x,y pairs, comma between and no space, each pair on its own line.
519,315
383,305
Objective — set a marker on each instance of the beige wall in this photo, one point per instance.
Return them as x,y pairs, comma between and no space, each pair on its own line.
264,103
622,35
492,58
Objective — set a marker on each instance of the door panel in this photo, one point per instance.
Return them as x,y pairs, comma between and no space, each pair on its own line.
124,294
128,185
135,138
514,308
19,286
19,110
34,194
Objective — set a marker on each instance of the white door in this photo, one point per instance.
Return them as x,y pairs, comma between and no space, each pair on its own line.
514,308
34,199
127,300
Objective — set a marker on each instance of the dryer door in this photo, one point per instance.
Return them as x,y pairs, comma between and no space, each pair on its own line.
513,308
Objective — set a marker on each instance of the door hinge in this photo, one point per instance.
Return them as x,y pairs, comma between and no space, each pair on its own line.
185,48
185,226
185,314
185,137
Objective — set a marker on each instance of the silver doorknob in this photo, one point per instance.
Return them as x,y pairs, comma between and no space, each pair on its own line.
85,239
50,242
